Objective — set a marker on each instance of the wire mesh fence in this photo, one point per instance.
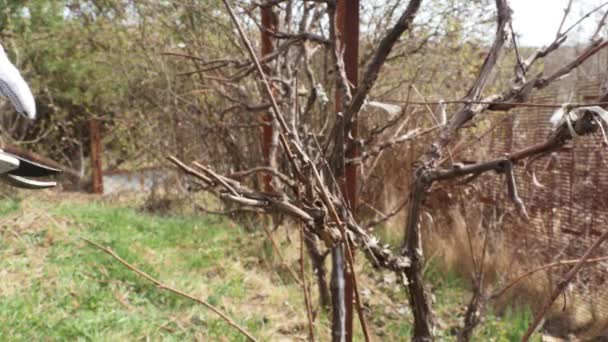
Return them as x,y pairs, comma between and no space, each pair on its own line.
566,194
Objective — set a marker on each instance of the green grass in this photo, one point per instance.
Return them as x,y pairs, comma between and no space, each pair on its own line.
509,327
77,292
8,206
54,286
451,296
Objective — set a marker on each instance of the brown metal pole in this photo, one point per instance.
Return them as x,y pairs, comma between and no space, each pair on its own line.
97,171
351,66
269,23
347,22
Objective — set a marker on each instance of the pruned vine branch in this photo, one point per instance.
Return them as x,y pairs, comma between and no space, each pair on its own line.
163,286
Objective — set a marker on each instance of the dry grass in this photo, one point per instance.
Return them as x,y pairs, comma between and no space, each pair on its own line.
448,243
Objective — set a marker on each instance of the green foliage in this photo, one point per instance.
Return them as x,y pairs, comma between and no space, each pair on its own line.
68,53
81,293
452,297
510,326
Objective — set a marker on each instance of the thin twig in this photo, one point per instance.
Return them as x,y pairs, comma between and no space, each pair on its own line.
277,114
431,113
387,216
601,24
258,66
564,17
162,286
311,327
587,15
562,286
278,251
515,104
519,68
545,267
463,146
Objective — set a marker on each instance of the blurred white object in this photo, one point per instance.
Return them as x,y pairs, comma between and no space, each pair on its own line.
559,115
391,109
13,86
444,114
7,163
321,94
565,112
567,115
14,169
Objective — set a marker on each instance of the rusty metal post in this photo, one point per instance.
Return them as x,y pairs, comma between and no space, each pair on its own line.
269,23
351,65
96,167
347,27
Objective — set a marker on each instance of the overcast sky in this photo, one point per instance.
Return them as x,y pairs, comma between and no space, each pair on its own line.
536,21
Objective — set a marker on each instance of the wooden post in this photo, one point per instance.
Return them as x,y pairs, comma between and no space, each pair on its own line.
96,167
269,23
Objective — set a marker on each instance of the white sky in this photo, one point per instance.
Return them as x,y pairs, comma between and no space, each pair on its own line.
536,21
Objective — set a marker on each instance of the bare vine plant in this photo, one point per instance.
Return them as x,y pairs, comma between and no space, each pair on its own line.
294,85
